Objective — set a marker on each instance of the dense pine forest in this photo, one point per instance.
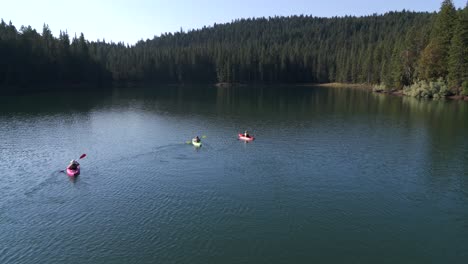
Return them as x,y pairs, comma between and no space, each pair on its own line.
424,54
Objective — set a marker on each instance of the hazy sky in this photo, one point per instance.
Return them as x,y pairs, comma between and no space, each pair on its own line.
130,21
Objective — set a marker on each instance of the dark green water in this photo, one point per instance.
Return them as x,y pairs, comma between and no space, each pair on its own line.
335,176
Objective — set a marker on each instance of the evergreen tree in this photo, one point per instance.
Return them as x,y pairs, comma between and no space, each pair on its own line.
434,60
458,58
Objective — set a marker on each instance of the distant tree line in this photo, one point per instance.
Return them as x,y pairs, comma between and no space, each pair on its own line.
30,59
395,50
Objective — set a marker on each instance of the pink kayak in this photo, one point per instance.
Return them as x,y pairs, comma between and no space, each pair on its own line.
72,173
241,136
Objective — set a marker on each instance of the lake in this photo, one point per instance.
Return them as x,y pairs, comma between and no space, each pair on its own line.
335,175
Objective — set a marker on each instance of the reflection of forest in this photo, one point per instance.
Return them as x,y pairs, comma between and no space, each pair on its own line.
445,125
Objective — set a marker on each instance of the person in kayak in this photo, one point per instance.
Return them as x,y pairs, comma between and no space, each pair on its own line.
246,134
196,139
73,165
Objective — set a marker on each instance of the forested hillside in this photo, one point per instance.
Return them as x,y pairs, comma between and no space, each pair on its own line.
393,50
30,59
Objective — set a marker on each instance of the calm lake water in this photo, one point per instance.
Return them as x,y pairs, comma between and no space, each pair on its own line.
334,176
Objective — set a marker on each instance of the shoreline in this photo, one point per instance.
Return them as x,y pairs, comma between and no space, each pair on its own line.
345,85
364,86
12,90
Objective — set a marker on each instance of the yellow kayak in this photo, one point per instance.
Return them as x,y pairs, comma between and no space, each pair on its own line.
195,143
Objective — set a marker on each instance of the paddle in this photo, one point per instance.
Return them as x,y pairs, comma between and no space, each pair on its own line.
81,157
190,142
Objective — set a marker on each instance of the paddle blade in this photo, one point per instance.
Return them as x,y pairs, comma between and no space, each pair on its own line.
82,156
203,136
188,142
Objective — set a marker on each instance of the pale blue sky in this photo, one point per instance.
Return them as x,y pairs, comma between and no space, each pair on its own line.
130,21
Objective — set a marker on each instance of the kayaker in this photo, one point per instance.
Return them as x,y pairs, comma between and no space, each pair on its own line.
196,139
73,165
246,134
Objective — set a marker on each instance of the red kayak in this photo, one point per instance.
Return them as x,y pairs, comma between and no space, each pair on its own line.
242,137
72,173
